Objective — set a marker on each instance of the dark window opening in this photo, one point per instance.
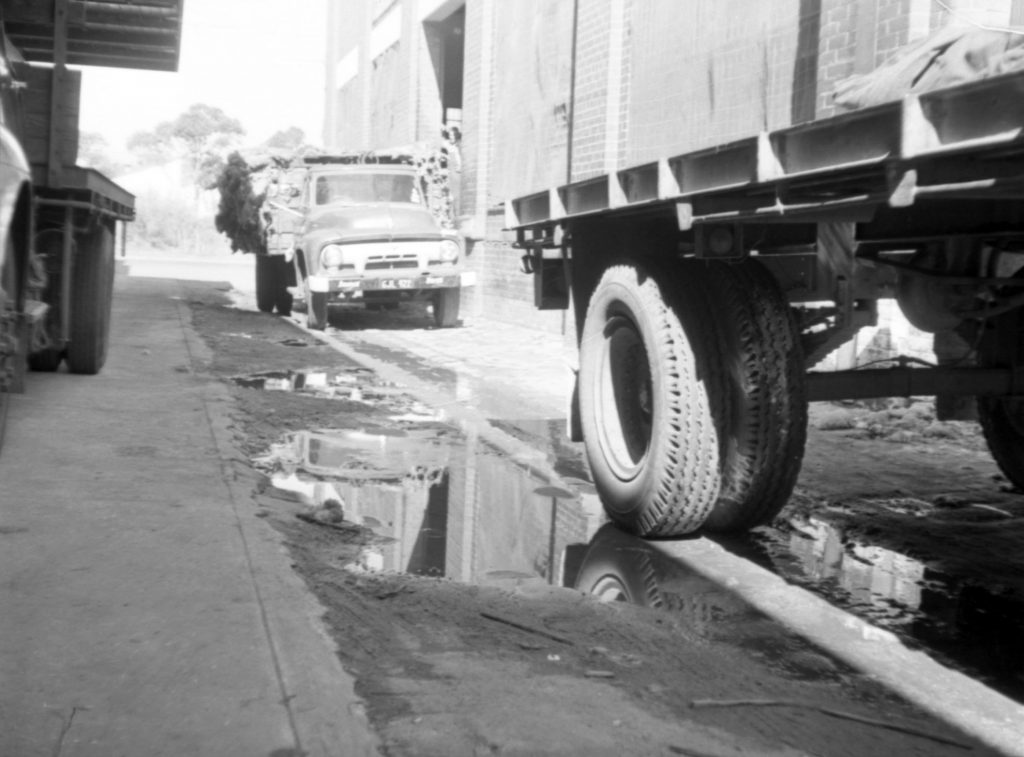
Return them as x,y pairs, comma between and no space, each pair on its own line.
448,52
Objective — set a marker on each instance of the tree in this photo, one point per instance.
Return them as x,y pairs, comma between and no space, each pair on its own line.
291,138
94,152
152,147
200,135
238,213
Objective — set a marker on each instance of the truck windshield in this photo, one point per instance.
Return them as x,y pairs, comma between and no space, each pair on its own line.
355,188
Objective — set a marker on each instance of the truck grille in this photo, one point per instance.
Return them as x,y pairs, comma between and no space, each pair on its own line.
388,262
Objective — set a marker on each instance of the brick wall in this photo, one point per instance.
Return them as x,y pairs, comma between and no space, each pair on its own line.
530,96
503,291
591,94
859,35
347,130
389,102
471,89
707,71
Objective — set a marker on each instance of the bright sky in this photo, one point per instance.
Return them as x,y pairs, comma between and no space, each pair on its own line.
260,61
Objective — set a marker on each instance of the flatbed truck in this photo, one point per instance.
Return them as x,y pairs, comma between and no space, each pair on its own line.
59,220
706,285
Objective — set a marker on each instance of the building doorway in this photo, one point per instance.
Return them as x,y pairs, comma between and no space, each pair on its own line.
447,50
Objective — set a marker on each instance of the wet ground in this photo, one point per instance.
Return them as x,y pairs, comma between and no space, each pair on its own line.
387,452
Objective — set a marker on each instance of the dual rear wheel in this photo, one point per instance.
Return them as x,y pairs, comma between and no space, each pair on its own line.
692,398
92,291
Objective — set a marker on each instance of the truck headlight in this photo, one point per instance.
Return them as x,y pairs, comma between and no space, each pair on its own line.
332,256
450,251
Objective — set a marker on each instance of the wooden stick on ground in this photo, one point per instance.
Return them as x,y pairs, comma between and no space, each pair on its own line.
842,715
528,629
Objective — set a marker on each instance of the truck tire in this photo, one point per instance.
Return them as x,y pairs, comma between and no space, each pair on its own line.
1002,418
92,290
765,377
1002,423
316,310
446,307
266,296
651,404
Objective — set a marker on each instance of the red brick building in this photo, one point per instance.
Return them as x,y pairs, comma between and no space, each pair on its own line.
541,100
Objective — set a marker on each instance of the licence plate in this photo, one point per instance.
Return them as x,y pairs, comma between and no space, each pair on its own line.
396,284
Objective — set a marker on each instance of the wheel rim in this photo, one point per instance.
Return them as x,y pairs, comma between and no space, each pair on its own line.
625,393
610,589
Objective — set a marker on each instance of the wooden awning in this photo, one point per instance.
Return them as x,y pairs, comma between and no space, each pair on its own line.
140,34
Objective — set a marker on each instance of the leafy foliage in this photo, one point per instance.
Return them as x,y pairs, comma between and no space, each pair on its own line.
291,138
238,212
200,135
94,152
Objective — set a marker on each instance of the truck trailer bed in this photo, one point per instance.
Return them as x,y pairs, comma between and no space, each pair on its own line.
963,141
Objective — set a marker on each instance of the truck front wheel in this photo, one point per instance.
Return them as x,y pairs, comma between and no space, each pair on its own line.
651,405
92,290
446,308
692,398
316,310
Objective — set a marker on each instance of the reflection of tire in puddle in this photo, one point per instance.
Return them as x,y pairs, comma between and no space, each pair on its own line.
618,567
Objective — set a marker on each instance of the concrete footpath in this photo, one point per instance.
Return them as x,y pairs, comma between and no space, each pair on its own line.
144,609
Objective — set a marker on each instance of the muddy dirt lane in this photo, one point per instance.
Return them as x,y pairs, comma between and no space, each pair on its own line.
423,484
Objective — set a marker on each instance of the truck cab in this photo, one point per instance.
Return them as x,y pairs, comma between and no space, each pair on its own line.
363,234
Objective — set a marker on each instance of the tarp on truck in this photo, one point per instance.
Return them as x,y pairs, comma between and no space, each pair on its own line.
949,56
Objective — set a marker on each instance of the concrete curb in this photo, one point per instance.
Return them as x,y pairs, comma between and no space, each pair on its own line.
327,716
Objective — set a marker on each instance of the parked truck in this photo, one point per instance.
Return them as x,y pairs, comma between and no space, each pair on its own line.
58,220
708,281
368,229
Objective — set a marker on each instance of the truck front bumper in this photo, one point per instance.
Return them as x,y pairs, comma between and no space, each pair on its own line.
342,286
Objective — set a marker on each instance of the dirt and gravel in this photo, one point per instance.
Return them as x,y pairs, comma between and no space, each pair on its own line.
527,668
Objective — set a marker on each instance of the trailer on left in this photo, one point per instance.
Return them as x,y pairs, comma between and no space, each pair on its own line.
58,220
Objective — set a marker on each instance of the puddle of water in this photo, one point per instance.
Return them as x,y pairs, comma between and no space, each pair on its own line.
442,503
436,502
356,384
447,504
976,629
